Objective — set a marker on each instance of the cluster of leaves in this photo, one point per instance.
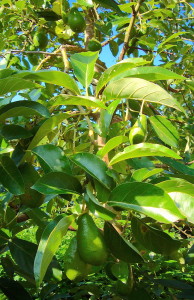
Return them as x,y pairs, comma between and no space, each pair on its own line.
110,146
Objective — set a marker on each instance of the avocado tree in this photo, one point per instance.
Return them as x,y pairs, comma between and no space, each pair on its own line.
96,140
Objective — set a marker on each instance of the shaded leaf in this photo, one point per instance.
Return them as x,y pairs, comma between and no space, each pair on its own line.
11,84
180,167
57,183
120,247
10,176
13,289
12,132
109,4
143,149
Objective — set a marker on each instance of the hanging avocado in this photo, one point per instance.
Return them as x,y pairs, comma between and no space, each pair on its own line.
76,21
139,130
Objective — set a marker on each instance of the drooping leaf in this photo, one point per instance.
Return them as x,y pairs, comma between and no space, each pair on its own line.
52,158
139,89
23,108
143,149
153,239
53,77
118,69
44,129
147,199
10,176
57,183
11,84
78,100
13,289
49,243
93,165
165,130
111,144
120,247
83,65
13,132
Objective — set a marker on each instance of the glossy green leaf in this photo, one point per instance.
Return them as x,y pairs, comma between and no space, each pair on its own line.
153,239
147,199
57,183
111,144
120,247
150,73
52,158
165,130
139,89
6,73
13,132
23,108
12,84
143,149
93,165
176,165
44,129
78,100
10,177
13,289
177,185
83,65
53,77
144,173
49,243
118,69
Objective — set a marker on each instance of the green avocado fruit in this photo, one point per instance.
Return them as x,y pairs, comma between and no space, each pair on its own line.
91,243
76,21
75,267
40,39
30,198
138,131
94,45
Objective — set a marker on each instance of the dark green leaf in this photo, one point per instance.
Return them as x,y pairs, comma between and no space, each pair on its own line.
93,165
10,176
57,183
109,4
180,167
119,247
12,132
13,289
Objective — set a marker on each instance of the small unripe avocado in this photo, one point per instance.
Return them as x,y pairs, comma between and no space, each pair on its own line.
94,45
91,244
76,21
139,130
40,40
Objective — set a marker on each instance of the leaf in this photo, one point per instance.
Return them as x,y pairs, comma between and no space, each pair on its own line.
180,167
111,144
12,84
165,130
23,253
94,166
52,158
139,89
13,132
118,69
83,65
44,129
106,117
4,238
57,183
10,177
177,185
13,289
144,173
150,73
78,100
53,77
143,149
153,239
147,199
172,37
120,247
109,4
23,108
49,243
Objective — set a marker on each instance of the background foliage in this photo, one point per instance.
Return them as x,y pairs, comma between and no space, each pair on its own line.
96,149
